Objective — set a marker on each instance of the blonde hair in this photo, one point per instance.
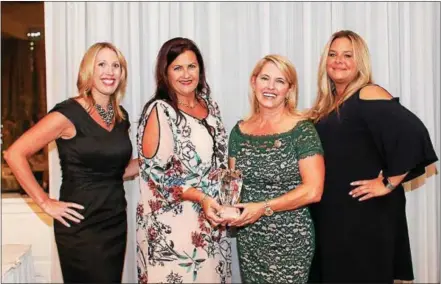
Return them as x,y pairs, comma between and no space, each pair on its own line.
85,78
290,73
326,98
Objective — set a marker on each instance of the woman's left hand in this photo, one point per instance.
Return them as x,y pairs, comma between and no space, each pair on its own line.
251,213
211,208
369,188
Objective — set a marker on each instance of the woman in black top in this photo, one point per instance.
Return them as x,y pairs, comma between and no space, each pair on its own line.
372,145
91,132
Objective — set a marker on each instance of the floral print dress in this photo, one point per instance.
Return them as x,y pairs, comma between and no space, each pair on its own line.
175,242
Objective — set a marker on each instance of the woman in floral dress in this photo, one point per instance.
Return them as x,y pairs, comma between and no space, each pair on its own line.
181,143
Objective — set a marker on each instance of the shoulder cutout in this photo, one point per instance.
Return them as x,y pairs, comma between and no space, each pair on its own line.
374,92
150,139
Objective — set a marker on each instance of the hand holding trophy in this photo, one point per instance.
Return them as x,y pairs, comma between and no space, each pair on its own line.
230,186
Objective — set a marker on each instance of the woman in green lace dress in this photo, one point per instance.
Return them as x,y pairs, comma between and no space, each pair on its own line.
280,154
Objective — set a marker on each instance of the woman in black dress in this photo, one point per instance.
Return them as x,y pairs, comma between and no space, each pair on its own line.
372,145
91,132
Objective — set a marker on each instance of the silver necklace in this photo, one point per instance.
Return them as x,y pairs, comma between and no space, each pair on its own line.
107,116
188,105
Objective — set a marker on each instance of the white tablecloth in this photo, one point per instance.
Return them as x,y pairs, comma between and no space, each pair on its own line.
17,264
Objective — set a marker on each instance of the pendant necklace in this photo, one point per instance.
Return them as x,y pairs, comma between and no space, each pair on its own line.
188,105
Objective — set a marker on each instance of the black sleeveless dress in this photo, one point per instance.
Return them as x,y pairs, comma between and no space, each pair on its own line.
367,241
92,165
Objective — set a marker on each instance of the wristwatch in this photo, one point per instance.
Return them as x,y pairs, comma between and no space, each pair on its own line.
388,184
268,211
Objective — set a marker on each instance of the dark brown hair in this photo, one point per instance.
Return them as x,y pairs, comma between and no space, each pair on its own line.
169,51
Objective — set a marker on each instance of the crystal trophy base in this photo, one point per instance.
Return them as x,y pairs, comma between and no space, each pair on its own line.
229,213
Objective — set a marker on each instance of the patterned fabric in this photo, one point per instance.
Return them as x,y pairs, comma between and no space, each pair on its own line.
175,243
276,249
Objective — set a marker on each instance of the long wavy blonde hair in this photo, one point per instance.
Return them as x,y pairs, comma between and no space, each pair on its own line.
327,100
85,78
290,73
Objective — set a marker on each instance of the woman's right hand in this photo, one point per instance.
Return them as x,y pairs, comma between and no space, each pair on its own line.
60,210
211,209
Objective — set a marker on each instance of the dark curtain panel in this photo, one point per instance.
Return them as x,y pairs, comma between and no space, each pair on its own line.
17,81
23,98
40,74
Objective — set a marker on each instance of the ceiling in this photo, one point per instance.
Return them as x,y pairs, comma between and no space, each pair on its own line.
19,16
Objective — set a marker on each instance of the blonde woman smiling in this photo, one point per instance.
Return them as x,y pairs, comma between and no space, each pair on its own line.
372,145
280,155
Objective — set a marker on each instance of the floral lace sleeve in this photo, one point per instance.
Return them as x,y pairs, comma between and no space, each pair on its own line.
308,141
232,142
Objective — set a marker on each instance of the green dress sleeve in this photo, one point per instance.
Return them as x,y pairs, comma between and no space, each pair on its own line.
306,141
233,143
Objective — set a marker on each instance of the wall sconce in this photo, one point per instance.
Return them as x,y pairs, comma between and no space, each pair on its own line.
33,36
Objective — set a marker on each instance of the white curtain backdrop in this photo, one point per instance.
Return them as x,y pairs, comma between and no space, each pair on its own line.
404,41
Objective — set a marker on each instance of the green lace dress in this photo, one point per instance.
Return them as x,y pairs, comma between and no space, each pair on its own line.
279,248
